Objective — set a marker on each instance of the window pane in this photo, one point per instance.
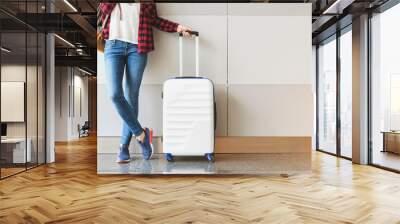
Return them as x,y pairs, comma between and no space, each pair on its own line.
327,97
346,93
386,88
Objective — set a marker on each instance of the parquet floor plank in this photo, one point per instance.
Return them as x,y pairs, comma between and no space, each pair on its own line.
70,191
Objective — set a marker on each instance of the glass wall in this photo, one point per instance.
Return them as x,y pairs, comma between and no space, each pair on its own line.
346,93
13,87
327,96
22,89
334,62
385,89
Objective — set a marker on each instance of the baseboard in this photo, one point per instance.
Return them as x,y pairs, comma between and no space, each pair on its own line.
281,144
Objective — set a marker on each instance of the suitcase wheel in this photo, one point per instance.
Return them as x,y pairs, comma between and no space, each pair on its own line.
169,157
210,157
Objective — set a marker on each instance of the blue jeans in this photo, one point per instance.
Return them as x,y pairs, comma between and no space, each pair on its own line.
121,56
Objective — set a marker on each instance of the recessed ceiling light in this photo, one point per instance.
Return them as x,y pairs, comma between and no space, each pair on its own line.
84,71
70,5
338,6
65,41
5,50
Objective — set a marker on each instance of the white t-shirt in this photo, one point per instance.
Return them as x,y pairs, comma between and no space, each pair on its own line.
124,22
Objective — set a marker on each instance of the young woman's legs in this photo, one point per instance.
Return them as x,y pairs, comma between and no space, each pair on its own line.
135,65
116,58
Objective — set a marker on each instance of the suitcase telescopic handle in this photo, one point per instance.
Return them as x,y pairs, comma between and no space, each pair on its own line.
196,34
191,32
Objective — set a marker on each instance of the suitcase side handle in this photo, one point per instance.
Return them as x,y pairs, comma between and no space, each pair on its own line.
196,34
215,116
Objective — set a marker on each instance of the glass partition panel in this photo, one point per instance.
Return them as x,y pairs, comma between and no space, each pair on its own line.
15,150
327,96
346,94
385,87
22,87
32,98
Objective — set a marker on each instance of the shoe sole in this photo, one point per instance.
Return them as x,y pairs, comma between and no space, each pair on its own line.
123,161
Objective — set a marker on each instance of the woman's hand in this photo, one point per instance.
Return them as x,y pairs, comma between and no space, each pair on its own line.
184,30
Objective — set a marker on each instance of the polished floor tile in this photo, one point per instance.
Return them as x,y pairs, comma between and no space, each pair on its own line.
259,164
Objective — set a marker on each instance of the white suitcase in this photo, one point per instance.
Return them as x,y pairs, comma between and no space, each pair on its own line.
189,113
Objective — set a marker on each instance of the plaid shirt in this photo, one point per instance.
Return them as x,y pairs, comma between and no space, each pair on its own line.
147,19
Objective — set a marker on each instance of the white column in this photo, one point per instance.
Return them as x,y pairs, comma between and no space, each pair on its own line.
50,94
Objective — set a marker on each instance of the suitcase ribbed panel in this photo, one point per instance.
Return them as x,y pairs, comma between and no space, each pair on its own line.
188,116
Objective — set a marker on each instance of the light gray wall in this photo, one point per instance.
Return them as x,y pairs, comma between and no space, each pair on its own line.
61,103
33,126
258,55
69,81
269,70
18,73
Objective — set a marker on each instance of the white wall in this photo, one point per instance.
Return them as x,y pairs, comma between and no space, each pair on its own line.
61,103
33,126
258,55
269,70
71,93
17,73
81,106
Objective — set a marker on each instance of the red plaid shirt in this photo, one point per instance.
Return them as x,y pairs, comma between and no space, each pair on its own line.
147,19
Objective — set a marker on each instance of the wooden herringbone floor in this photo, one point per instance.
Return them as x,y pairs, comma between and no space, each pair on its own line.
70,192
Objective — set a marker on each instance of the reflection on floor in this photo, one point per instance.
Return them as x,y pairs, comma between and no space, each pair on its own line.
387,159
261,164
346,152
11,169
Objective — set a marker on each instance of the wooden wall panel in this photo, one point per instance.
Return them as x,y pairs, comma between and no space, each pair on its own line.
263,145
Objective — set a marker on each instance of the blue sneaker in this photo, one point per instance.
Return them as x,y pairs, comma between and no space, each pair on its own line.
123,155
147,145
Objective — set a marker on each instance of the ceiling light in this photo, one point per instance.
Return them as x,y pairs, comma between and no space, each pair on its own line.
64,40
326,11
338,6
70,5
5,50
84,71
